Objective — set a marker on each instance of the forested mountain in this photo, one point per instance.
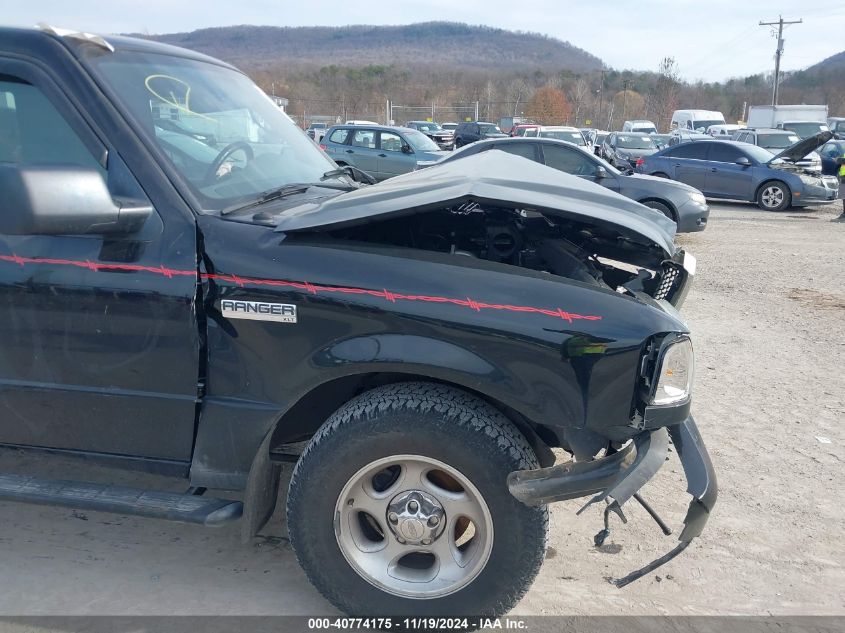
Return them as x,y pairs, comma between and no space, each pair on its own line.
435,43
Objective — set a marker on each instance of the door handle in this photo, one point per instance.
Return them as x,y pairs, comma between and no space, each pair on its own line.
713,169
382,155
349,151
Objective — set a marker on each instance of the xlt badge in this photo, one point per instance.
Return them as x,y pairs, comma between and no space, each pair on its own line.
258,311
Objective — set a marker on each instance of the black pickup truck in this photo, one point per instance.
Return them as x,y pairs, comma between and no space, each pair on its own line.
189,286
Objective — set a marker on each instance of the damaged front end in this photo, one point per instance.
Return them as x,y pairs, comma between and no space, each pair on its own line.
501,213
507,210
615,478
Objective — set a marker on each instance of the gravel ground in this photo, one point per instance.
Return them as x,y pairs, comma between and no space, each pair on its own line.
766,313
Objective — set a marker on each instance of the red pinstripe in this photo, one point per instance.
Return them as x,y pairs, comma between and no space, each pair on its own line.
310,288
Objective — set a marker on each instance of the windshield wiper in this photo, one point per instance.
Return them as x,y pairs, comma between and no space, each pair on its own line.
283,192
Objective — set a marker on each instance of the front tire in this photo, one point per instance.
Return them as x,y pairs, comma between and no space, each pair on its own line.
774,196
662,207
399,506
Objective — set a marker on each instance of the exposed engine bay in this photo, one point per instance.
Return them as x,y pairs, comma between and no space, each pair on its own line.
530,239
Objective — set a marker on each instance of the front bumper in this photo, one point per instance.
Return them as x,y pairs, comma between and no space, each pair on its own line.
692,217
618,477
826,192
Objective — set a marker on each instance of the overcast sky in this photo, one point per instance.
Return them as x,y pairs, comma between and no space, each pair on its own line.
710,40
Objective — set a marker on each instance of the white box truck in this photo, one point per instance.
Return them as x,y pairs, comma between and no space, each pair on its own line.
804,120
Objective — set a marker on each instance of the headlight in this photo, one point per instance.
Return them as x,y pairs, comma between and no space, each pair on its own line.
674,382
811,180
698,197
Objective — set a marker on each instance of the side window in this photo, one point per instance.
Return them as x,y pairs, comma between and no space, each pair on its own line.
689,150
339,136
724,153
33,132
517,149
364,138
571,161
391,142
530,132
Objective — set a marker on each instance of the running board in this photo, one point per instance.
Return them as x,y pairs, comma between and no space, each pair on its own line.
184,508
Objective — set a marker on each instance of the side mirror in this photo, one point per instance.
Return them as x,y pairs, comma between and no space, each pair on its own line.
406,149
742,160
601,172
358,175
64,200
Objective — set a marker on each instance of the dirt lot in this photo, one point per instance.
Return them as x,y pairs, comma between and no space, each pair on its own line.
767,313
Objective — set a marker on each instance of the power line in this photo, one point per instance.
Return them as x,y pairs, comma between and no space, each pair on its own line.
778,51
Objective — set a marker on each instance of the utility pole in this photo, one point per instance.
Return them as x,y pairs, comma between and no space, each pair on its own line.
601,97
779,51
624,97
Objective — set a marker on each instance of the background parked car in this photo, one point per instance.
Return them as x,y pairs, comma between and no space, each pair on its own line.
316,131
723,131
775,141
381,151
837,126
639,125
696,120
805,129
830,154
560,132
683,204
445,139
598,139
624,149
522,128
450,126
682,135
472,131
661,140
741,171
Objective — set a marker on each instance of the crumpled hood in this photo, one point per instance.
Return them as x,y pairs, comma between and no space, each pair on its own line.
799,150
493,178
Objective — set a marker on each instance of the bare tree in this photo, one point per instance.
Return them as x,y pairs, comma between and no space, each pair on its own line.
664,99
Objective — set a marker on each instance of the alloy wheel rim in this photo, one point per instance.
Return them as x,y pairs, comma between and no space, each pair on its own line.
772,196
413,526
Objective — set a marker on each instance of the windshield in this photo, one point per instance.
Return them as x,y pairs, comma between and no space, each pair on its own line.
489,128
777,141
450,126
427,127
221,132
806,130
564,135
703,125
420,141
600,138
635,142
760,154
648,129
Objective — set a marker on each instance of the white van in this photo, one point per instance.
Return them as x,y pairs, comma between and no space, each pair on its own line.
697,120
640,125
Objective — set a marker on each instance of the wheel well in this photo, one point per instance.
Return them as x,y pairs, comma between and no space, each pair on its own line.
665,203
303,419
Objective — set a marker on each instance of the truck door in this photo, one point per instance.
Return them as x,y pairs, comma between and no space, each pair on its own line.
100,345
